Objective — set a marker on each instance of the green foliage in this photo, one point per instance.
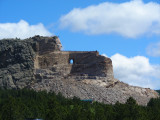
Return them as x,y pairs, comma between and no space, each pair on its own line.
158,91
22,104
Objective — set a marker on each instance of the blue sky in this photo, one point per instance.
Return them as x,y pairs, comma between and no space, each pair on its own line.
126,31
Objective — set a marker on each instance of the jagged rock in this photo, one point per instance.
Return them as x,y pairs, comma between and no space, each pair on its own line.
38,63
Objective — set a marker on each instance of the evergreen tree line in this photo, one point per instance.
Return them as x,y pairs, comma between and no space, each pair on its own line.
158,91
22,104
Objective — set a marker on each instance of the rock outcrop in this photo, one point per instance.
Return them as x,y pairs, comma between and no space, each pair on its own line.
38,63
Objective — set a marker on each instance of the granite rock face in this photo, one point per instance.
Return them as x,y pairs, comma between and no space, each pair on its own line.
16,63
38,63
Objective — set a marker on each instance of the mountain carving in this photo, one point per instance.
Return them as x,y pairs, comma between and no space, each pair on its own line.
38,63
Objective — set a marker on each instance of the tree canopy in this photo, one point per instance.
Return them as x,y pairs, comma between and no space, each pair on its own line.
23,104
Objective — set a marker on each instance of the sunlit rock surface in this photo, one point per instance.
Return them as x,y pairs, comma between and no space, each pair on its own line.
38,63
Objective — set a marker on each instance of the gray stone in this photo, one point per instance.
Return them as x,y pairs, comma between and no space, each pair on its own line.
38,63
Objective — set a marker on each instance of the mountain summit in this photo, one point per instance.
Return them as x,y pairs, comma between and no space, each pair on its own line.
38,63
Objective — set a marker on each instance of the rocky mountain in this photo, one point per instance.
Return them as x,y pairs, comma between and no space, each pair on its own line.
38,63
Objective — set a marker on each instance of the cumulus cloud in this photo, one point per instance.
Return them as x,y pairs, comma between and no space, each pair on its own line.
129,19
154,49
136,71
22,30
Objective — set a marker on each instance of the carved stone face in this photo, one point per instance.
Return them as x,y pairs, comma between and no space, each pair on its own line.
58,43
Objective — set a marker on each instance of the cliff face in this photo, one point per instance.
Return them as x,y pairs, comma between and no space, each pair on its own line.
38,63
16,63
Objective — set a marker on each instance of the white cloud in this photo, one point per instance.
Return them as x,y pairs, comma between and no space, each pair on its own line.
129,19
154,49
22,30
136,71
